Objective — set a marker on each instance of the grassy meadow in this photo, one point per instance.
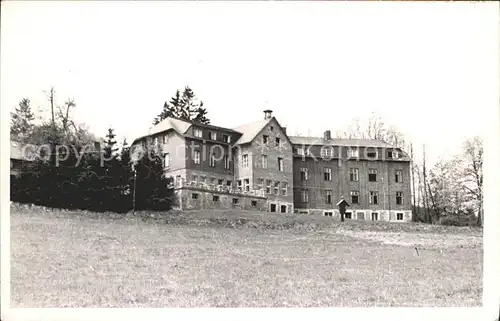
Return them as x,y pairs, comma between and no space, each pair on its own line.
238,259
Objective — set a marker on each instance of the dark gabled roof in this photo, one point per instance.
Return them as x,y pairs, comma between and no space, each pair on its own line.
180,126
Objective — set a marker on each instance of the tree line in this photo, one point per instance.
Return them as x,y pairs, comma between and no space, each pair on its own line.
75,174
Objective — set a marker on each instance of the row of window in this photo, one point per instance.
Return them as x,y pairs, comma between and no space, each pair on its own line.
354,195
374,216
276,187
265,141
327,151
216,199
211,135
210,180
353,175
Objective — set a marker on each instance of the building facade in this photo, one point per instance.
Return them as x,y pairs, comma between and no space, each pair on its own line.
258,166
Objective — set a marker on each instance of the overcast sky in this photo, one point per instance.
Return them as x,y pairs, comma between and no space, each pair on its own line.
424,67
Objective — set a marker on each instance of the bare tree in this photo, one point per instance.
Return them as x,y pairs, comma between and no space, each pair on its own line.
472,181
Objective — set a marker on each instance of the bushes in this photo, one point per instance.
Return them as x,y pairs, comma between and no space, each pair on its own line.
76,181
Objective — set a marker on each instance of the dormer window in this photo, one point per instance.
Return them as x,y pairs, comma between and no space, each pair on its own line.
226,138
212,135
198,133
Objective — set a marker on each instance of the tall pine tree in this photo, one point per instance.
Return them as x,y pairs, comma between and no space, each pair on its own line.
21,126
184,106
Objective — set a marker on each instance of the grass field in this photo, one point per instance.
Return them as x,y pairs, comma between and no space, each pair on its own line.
226,259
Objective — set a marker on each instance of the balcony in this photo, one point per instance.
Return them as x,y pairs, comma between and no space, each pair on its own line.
181,183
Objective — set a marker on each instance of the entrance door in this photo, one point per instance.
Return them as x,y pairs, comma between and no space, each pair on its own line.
283,208
273,207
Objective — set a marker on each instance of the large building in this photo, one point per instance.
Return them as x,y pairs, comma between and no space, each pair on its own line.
259,166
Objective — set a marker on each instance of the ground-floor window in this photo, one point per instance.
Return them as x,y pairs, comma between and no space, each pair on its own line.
399,216
272,207
236,200
254,203
215,198
374,216
348,215
283,208
328,214
194,196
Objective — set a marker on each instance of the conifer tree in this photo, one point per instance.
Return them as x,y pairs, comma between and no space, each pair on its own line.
21,125
184,106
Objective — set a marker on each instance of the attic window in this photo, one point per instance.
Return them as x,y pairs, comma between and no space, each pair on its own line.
272,128
198,133
226,138
265,138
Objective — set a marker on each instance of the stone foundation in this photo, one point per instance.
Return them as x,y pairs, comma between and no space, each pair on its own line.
361,214
201,199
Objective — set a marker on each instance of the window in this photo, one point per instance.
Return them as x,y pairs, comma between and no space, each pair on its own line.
393,154
226,138
220,182
212,160
399,176
212,180
164,139
348,215
215,198
198,133
226,162
371,153
330,214
265,139
155,141
283,208
304,196
278,142
328,197
260,183
354,174
254,203
229,183
399,198
271,128
353,153
196,156
212,135
276,188
399,216
194,196
244,160
328,174
268,186
280,164
300,151
374,216
373,197
166,160
372,175
203,179
264,161
355,197
308,152
284,189
327,151
236,200
247,184
303,174
239,184
194,178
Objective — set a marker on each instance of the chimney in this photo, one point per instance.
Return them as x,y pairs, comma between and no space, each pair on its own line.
268,114
284,129
327,135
